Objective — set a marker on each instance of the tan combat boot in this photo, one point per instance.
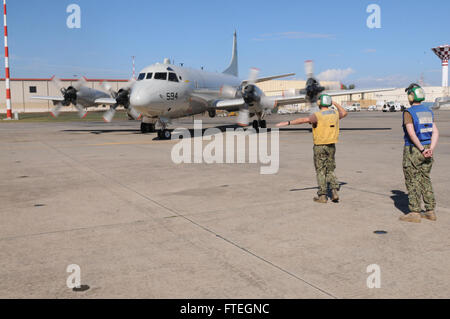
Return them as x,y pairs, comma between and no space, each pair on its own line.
334,195
430,215
411,217
321,199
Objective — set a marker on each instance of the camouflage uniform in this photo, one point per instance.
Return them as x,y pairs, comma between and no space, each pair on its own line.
325,164
416,169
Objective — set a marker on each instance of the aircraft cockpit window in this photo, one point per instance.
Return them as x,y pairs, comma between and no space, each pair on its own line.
160,76
173,77
149,76
141,76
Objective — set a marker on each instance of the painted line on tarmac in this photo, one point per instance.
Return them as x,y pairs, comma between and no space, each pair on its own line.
175,212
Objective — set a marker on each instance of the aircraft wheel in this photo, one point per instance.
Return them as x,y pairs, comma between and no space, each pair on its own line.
147,127
164,135
263,124
255,125
144,128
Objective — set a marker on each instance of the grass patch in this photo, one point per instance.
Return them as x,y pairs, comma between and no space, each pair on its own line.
96,116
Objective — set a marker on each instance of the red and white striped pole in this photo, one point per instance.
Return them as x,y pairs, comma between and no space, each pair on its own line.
134,69
445,73
7,73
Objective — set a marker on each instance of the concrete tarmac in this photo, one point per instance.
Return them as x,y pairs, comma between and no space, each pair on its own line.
111,200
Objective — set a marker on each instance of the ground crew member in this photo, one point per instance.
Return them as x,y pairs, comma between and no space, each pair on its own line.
421,136
325,125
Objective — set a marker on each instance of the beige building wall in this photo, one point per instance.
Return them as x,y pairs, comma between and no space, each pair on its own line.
21,96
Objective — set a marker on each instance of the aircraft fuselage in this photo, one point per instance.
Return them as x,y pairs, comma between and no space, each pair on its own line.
166,90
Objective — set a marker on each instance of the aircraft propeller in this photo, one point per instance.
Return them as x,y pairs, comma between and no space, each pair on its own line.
313,87
122,97
251,94
70,97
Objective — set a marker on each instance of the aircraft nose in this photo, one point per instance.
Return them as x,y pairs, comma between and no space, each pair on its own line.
138,98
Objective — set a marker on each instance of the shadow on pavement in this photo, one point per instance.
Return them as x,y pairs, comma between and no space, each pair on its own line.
400,199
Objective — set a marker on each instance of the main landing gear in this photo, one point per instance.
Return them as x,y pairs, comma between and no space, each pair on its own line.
259,124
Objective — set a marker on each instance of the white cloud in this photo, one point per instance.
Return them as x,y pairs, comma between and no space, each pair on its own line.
292,35
335,74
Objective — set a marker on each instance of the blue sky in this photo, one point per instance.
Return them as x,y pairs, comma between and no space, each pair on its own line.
275,36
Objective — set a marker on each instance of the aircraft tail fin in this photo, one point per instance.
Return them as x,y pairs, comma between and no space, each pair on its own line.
233,67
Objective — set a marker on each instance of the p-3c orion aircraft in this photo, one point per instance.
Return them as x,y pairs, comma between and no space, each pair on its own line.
165,91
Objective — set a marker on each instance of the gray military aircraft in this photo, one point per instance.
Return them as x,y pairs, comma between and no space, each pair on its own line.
82,97
164,91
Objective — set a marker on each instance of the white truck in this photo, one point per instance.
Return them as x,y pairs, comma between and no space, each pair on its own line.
393,107
355,107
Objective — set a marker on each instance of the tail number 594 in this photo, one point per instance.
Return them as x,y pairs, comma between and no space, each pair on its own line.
170,96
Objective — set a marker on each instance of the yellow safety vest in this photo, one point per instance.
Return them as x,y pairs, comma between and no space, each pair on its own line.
327,128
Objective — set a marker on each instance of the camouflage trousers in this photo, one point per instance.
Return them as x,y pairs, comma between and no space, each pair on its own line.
325,163
416,169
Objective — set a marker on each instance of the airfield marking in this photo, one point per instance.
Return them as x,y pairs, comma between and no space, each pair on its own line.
173,211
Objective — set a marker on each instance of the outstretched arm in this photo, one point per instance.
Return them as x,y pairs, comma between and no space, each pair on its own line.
301,120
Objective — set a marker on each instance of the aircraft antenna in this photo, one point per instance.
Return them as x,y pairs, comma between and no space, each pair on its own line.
134,67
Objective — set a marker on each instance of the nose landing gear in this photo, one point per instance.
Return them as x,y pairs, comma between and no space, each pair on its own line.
164,134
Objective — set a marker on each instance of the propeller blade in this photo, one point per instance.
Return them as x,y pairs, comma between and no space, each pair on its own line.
227,92
133,113
106,86
253,75
129,84
309,69
57,82
78,84
333,87
108,116
81,111
244,116
56,110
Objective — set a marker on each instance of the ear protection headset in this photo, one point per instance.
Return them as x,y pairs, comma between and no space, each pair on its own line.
324,100
415,93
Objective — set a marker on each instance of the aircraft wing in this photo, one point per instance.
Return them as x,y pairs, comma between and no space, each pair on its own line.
347,92
235,104
208,98
49,98
269,78
282,100
105,101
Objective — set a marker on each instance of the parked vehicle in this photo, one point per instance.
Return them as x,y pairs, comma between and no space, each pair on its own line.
393,107
355,107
